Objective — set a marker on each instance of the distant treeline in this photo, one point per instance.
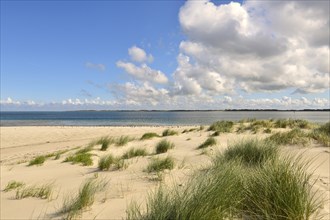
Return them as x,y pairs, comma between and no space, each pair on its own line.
214,110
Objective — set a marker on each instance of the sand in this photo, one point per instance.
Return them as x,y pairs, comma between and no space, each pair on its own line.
21,144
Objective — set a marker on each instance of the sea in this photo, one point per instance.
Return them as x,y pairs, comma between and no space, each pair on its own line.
148,118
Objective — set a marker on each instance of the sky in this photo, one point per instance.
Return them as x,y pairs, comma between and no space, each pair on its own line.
162,55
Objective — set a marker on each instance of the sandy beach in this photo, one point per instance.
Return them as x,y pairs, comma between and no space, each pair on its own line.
19,145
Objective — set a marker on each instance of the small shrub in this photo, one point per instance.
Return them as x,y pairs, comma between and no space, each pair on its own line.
216,133
105,162
83,158
163,146
251,152
209,142
74,206
149,136
134,153
221,126
39,160
157,165
169,132
13,185
42,192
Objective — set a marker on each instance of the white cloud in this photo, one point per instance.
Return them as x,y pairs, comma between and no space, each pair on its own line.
255,47
97,66
143,72
139,55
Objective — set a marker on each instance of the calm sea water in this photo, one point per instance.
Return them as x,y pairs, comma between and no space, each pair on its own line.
127,118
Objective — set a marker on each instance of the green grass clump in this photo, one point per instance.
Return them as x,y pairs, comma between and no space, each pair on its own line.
295,136
13,185
42,192
123,140
209,142
322,134
222,126
149,135
292,123
280,189
39,160
83,158
169,132
85,149
104,142
74,206
276,188
251,152
163,146
106,161
134,153
157,165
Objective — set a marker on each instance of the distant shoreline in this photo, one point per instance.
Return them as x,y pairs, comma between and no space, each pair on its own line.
183,110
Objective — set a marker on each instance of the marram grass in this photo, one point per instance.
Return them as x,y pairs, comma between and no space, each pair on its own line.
273,188
163,146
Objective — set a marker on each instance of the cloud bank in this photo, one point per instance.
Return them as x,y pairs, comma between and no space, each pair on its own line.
231,51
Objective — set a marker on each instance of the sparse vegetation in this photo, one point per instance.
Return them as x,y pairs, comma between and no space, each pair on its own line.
222,126
104,142
123,140
209,142
295,136
85,149
109,161
157,165
42,192
106,161
149,135
322,134
251,152
13,185
39,160
74,206
238,184
163,146
83,158
169,132
292,123
134,153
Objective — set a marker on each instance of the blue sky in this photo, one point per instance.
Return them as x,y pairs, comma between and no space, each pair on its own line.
67,55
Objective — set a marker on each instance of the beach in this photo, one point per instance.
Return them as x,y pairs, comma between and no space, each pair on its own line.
130,182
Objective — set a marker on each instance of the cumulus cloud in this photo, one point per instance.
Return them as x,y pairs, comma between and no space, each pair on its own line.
256,46
139,55
143,72
97,66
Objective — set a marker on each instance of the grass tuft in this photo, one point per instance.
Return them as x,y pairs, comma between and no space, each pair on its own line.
169,132
221,126
322,134
134,153
74,206
295,136
83,158
279,188
251,152
163,146
123,140
13,185
149,135
209,142
39,160
106,161
104,142
42,192
157,165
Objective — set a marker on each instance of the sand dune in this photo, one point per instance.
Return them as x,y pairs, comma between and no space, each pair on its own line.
20,144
